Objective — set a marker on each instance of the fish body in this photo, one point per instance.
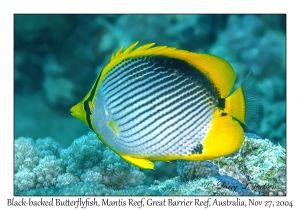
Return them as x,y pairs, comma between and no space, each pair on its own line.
162,103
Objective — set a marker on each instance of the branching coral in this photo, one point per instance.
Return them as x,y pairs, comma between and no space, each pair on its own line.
47,171
88,188
88,158
32,172
117,176
116,173
65,179
25,154
84,153
24,179
47,147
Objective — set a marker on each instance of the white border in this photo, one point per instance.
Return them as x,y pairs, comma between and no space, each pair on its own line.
8,8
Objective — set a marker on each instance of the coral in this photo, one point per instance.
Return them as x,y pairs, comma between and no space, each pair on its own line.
85,188
30,170
25,154
84,153
24,179
234,185
201,186
115,173
47,147
259,164
138,190
65,179
189,170
257,168
47,171
88,158
88,189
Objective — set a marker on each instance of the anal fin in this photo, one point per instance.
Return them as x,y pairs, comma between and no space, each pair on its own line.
139,162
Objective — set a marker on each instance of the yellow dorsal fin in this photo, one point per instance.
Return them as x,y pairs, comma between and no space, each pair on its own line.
215,68
139,162
130,47
144,47
112,56
119,51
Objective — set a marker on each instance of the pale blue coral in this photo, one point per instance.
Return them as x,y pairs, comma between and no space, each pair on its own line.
25,154
47,147
87,159
84,153
65,179
24,179
47,171
88,189
117,175
257,163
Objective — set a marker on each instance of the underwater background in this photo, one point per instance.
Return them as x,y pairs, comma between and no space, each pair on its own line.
58,57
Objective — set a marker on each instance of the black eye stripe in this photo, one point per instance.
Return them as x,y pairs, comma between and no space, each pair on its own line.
88,113
86,103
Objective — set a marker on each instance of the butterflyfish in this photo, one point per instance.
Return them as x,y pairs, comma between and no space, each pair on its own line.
159,103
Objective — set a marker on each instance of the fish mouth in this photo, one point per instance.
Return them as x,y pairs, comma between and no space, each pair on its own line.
72,111
78,112
73,114
75,110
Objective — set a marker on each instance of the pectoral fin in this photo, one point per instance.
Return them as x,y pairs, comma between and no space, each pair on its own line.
115,127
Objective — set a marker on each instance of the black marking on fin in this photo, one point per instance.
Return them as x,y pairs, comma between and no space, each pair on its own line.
86,103
221,103
223,114
198,149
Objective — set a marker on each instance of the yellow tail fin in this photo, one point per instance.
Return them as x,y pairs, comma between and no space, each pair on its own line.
244,104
